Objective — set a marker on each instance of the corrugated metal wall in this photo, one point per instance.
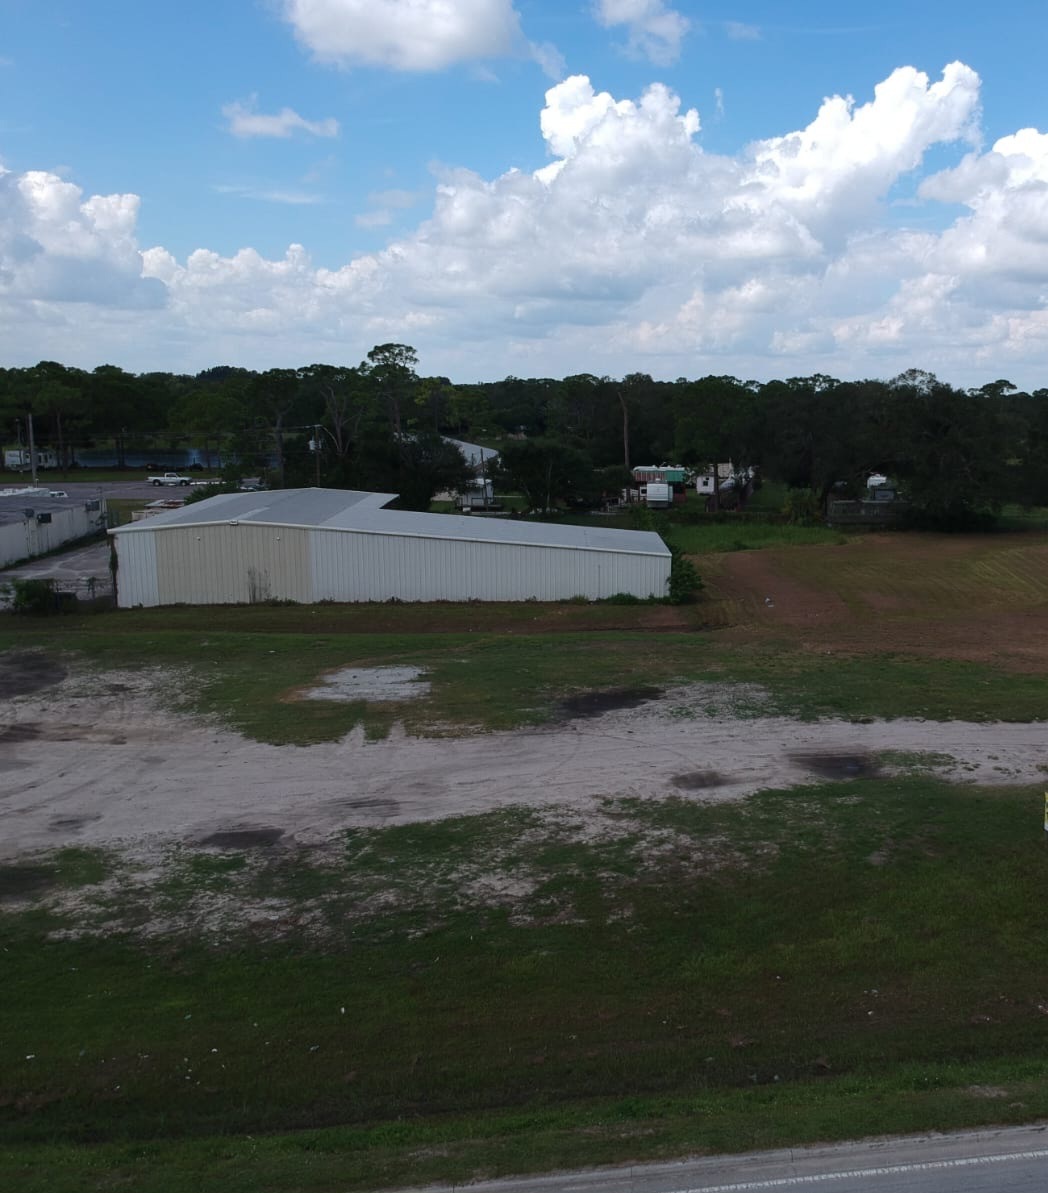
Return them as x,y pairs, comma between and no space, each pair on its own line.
247,563
27,537
136,570
354,566
231,564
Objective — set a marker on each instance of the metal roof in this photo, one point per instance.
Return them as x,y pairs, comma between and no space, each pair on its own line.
474,453
14,505
350,509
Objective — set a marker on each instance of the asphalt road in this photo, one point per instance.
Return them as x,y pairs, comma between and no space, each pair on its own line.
1009,1160
128,488
74,566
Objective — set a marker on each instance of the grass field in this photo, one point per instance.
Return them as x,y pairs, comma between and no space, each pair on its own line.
523,990
819,963
490,680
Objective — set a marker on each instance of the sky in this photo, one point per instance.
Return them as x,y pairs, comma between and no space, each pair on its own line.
527,187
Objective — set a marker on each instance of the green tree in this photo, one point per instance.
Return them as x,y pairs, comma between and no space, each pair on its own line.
391,368
544,470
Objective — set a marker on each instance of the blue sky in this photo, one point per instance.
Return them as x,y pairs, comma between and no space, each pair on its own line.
534,188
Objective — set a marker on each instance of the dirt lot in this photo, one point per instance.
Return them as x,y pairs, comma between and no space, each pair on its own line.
89,759
978,598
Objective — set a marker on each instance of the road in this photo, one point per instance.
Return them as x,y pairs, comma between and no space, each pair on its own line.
1006,1160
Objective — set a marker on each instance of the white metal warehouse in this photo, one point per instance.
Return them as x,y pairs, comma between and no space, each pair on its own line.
341,545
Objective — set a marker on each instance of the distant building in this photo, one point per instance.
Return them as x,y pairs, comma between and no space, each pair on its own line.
33,522
659,485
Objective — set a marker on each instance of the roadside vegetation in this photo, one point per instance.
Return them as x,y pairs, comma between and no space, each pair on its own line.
514,992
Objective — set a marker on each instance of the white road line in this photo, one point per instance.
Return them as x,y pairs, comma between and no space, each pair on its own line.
792,1182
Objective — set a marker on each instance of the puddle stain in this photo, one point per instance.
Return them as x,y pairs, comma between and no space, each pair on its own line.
595,704
17,882
700,780
24,672
247,838
837,766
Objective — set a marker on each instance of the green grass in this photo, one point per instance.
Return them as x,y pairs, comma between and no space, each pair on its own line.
121,508
810,964
500,681
1021,517
704,538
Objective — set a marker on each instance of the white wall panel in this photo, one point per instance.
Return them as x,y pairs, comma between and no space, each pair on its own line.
231,563
355,566
136,582
27,537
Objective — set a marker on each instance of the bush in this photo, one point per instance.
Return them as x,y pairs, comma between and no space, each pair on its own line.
802,507
685,581
37,597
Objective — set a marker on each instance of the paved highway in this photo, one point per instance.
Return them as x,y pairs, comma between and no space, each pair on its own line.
1009,1160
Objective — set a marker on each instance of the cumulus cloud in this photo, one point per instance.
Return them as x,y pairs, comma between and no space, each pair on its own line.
408,35
632,248
655,31
57,246
245,121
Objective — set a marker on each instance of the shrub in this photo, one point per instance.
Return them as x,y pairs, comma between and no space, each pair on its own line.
37,597
802,507
685,581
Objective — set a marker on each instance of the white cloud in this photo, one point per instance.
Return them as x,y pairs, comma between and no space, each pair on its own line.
738,31
549,58
383,205
57,246
410,35
655,30
632,249
244,121
379,217
266,195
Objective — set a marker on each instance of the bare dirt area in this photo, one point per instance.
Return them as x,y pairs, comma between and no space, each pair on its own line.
981,599
90,760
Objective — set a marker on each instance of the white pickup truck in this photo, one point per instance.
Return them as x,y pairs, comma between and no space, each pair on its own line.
168,478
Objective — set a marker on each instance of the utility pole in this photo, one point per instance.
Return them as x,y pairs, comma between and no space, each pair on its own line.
316,451
32,447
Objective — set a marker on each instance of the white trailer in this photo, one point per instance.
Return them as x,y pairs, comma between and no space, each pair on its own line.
658,495
19,460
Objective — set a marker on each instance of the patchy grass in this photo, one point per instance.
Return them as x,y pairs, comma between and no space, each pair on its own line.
747,535
249,679
66,868
930,577
811,964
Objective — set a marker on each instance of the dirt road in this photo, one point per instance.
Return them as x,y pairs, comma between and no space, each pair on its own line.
88,761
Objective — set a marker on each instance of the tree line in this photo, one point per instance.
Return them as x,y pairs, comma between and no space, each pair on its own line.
380,424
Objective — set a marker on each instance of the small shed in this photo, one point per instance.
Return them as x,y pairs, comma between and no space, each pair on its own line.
342,545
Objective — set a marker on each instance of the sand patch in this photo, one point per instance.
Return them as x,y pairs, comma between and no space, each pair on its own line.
133,772
375,684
